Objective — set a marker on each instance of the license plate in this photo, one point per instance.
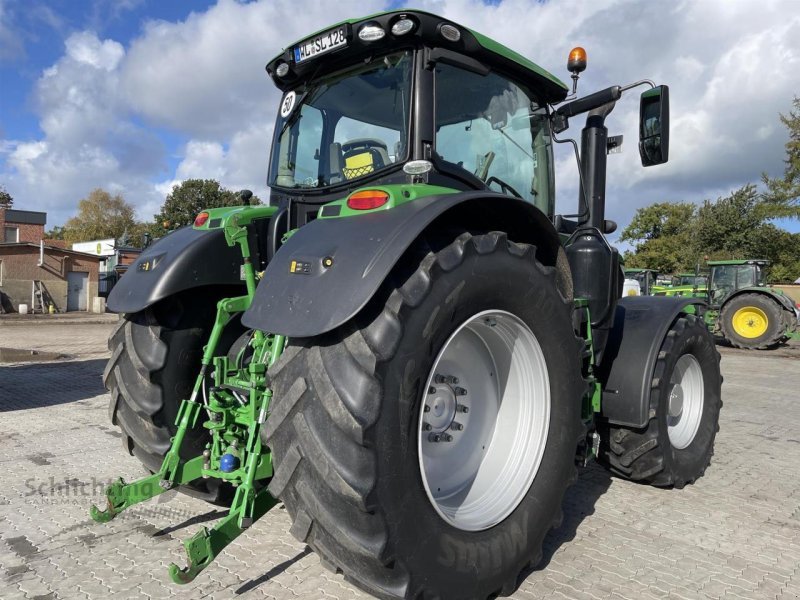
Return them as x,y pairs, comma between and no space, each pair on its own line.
320,44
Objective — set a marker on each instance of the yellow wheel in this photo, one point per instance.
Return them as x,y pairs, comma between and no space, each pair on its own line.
750,322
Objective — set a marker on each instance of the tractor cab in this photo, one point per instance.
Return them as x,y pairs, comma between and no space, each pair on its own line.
407,97
689,280
728,276
365,98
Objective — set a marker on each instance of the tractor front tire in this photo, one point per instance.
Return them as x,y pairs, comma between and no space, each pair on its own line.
155,359
676,446
752,322
384,473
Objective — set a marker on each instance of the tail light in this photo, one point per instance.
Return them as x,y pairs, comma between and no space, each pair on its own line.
201,219
367,199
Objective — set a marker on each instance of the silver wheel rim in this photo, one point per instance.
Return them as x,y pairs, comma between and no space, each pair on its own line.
485,416
685,402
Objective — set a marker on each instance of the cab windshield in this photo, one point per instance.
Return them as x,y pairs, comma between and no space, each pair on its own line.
345,127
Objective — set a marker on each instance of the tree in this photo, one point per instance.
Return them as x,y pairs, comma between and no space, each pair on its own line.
731,225
100,215
6,200
782,198
662,237
55,233
193,196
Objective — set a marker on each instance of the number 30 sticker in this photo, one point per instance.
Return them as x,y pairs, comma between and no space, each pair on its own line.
287,104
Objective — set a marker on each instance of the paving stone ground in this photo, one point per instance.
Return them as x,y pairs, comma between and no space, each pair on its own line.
734,534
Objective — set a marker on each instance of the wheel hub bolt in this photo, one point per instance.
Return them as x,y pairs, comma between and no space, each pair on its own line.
427,408
449,379
461,408
426,426
459,391
431,390
440,437
455,426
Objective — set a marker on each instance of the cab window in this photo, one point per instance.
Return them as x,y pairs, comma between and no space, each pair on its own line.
494,129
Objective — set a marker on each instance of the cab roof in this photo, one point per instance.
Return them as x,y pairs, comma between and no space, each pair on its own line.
751,261
472,44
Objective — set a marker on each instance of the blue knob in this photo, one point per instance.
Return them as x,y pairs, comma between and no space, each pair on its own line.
228,463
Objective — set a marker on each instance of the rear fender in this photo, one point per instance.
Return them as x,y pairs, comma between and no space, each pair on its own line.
782,299
640,326
184,259
301,297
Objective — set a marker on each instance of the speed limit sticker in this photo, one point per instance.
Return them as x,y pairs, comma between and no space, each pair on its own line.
287,104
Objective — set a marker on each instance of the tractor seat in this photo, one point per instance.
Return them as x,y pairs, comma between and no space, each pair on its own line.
363,156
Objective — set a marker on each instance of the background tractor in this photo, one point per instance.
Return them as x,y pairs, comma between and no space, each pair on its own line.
410,348
747,312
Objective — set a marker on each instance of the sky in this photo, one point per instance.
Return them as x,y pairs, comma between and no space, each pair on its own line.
134,96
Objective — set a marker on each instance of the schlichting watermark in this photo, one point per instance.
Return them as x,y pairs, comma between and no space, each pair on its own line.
75,491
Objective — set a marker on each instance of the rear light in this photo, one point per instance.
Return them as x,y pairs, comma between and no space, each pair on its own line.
201,219
367,199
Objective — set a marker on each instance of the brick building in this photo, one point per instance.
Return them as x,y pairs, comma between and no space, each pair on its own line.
32,268
21,225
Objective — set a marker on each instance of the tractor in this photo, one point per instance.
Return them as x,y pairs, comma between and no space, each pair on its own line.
409,348
744,310
684,284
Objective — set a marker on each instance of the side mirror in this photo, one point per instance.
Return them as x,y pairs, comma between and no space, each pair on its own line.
654,126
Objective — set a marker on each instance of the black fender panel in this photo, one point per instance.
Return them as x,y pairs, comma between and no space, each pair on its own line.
640,324
184,259
363,249
783,301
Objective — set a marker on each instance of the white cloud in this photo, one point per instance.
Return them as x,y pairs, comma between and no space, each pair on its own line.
103,106
11,44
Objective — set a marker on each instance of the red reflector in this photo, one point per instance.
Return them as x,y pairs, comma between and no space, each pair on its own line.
367,200
201,219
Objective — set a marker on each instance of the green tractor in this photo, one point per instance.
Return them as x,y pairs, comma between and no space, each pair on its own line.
744,310
684,284
409,348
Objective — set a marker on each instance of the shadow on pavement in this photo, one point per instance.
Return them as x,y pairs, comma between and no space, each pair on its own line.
50,384
204,518
579,502
276,570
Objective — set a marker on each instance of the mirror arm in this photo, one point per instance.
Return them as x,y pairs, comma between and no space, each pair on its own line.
630,86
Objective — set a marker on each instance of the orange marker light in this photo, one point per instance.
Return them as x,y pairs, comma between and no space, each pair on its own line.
367,199
577,60
201,219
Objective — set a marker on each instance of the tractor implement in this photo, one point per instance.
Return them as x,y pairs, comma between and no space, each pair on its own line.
410,348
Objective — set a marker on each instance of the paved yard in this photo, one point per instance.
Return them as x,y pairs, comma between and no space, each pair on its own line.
735,534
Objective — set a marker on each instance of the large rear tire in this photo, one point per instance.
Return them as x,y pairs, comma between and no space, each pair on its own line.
354,461
752,322
676,446
155,359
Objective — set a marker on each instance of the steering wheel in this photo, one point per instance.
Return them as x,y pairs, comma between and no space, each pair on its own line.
505,187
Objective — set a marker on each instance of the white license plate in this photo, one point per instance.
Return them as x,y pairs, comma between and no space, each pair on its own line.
325,42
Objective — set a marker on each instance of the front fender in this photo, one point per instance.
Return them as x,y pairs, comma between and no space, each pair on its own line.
184,259
300,297
626,370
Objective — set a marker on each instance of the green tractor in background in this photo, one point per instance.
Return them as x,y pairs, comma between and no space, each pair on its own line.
409,348
683,284
744,310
